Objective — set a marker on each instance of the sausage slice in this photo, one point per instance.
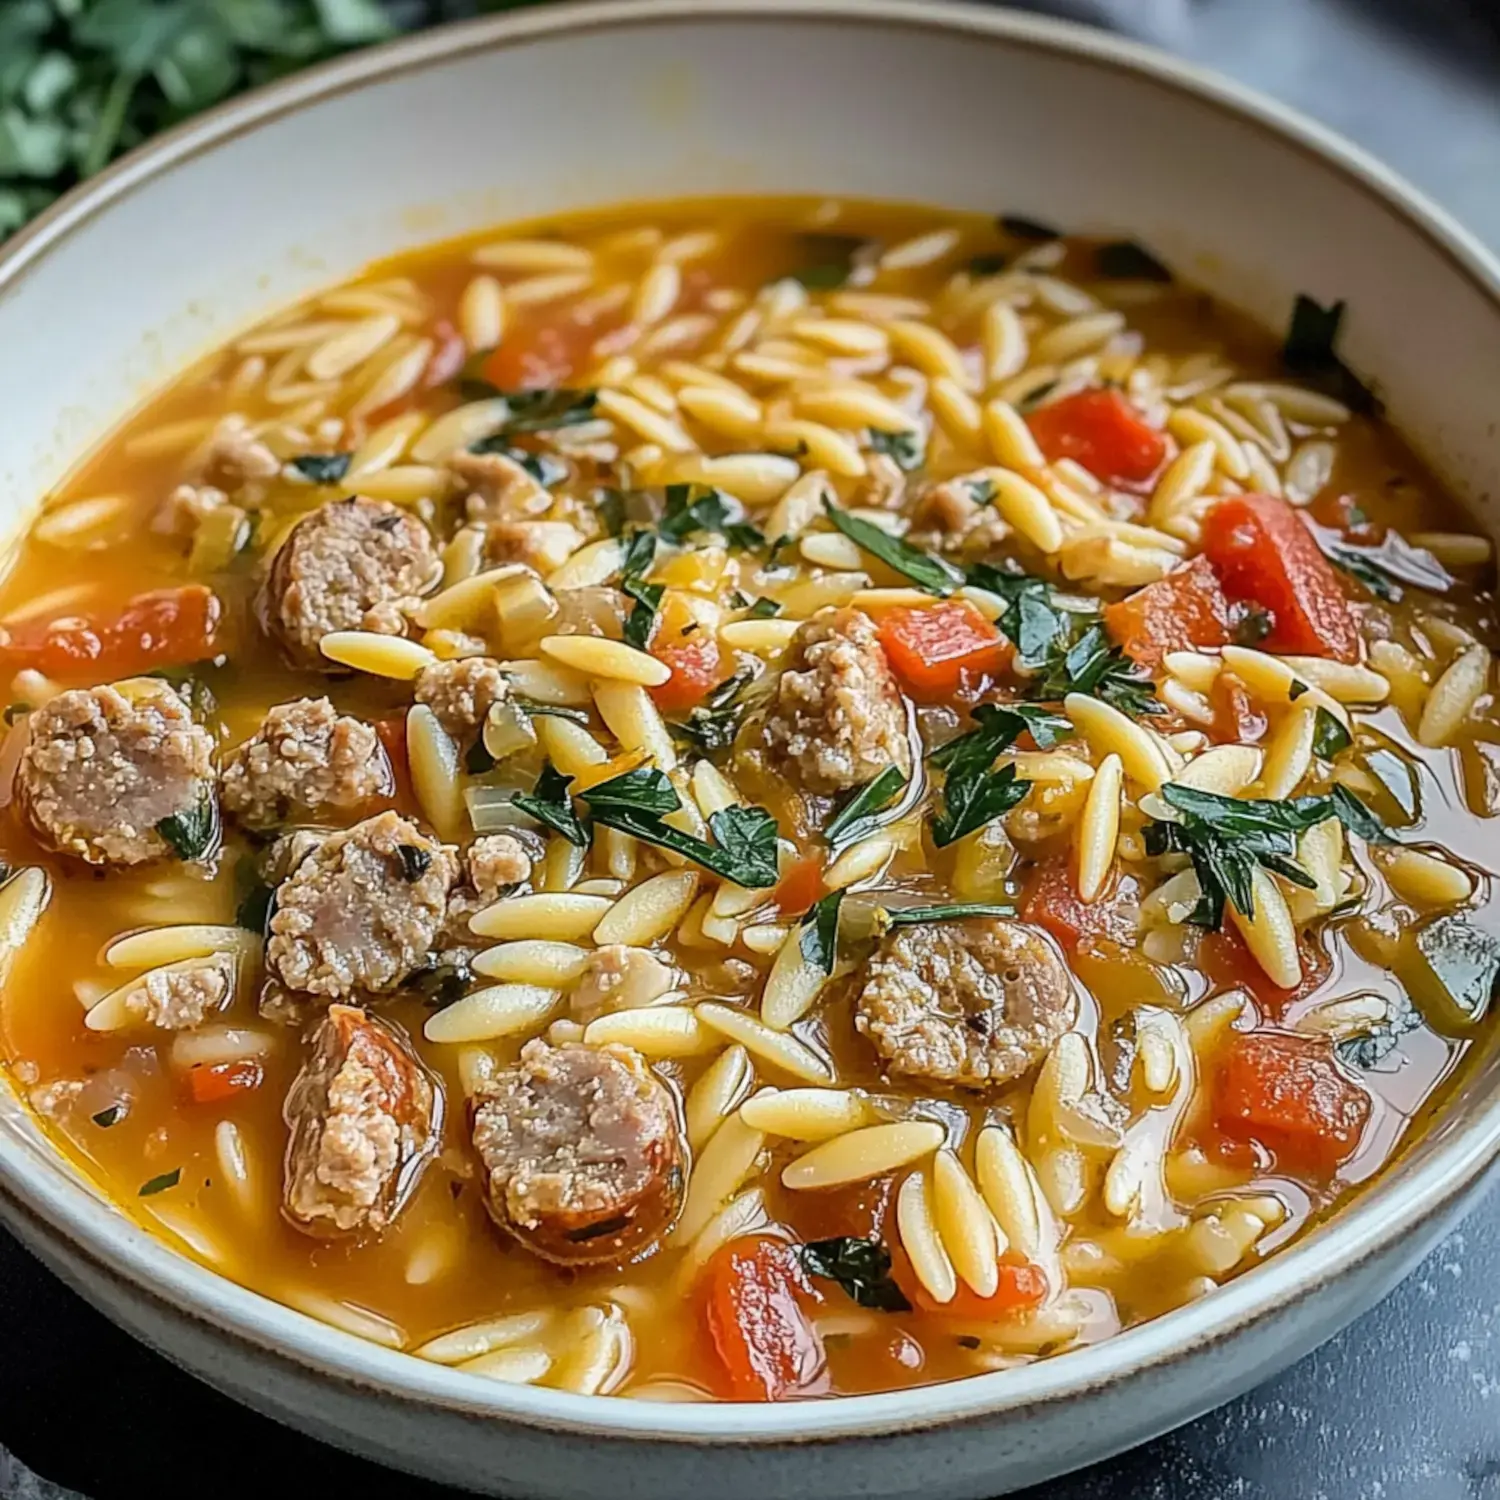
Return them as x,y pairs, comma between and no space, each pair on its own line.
106,767
339,564
365,1116
839,718
975,1003
582,1152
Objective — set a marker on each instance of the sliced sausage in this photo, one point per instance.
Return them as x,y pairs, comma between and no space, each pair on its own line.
106,767
306,761
976,1003
362,911
339,564
461,693
838,719
582,1152
364,1117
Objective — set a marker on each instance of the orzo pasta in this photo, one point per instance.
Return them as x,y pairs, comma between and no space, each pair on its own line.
588,802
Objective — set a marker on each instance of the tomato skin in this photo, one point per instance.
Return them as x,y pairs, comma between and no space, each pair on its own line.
1022,1287
940,651
799,887
1226,961
213,1083
766,1345
1185,611
1052,902
696,670
163,628
1265,555
1287,1093
1103,432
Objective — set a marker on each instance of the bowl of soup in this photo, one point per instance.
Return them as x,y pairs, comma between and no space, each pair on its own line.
772,766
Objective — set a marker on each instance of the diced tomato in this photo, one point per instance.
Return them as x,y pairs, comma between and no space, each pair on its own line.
213,1083
1229,964
1185,611
540,358
941,651
768,1348
1237,721
1052,901
696,668
1288,1094
1102,431
1023,1286
799,887
165,628
858,1211
1264,554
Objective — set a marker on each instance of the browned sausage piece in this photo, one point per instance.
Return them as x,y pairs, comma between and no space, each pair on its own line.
340,563
461,692
364,1116
976,1003
838,719
106,766
362,911
582,1152
306,761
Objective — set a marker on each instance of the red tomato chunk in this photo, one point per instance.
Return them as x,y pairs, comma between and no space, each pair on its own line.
1102,431
1185,611
765,1343
1022,1288
1265,555
1052,901
1288,1094
694,661
213,1083
939,651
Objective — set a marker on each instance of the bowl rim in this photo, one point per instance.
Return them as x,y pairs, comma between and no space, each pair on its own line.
1431,1180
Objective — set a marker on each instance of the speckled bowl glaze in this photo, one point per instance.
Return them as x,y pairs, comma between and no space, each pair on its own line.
554,109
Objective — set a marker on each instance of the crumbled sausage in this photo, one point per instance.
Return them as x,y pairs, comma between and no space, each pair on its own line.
498,486
462,692
620,978
951,515
543,545
492,865
582,1152
283,854
181,996
105,766
305,761
975,1003
390,616
337,565
361,912
365,1117
234,456
838,719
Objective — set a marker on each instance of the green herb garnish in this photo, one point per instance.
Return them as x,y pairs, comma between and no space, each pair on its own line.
716,721
323,468
534,710
1124,260
930,573
194,832
254,911
1308,353
820,931
549,803
763,609
952,911
829,259
862,1267
642,619
111,1115
542,467
1021,228
1330,738
696,507
1093,666
971,802
973,793
160,1184
905,447
1031,622
858,815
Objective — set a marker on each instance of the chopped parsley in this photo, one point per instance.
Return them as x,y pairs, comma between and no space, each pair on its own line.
1308,352
951,911
859,814
534,710
1018,227
763,609
542,467
415,862
905,447
1031,622
110,1115
1124,260
323,468
971,802
546,409
862,1267
1091,665
932,574
820,932
829,260
1383,569
714,723
973,793
160,1184
692,508
1330,738
194,832
548,802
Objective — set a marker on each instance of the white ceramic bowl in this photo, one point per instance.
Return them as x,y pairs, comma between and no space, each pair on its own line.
554,109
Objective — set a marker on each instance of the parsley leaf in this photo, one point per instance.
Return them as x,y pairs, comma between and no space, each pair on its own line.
953,911
534,710
858,815
820,931
160,1184
970,802
930,573
1021,228
1093,666
1031,622
1124,260
714,723
763,609
862,1267
193,832
322,468
1308,352
548,802
645,790
1330,738
642,619
695,507
110,1115
1383,569
830,259
542,467
544,409
973,795
905,447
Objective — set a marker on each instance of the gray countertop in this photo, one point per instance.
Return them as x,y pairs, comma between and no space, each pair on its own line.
1403,1406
